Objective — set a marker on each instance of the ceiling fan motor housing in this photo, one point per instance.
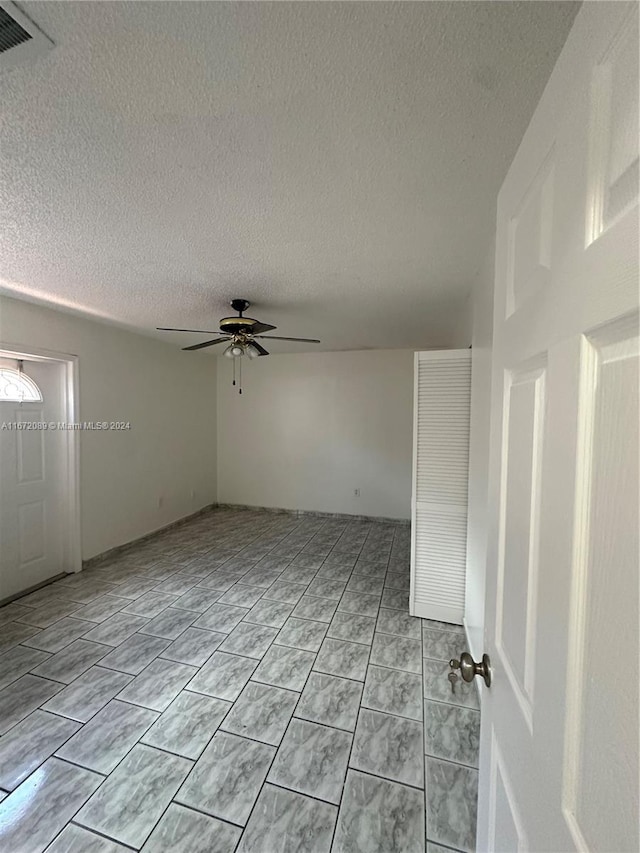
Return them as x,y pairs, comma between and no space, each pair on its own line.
237,325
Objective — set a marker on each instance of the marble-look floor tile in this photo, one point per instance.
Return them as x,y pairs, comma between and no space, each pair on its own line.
22,697
283,666
150,604
242,595
170,623
29,743
131,801
188,724
271,613
105,740
389,746
277,560
262,577
84,697
397,599
330,700
442,645
312,759
435,625
359,604
393,692
49,612
87,590
222,581
313,607
378,816
102,608
366,584
306,561
135,587
75,839
299,574
289,823
194,646
344,561
72,661
397,652
451,732
452,797
249,640
326,588
197,599
116,629
398,580
374,570
338,657
223,676
437,848
226,780
302,634
289,593
178,584
134,654
54,793
18,661
398,622
261,713
12,612
356,629
59,635
221,618
437,686
158,685
334,573
182,829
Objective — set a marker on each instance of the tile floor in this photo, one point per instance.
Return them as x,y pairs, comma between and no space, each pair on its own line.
246,682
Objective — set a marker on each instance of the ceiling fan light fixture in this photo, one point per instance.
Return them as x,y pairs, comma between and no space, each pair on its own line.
234,351
252,351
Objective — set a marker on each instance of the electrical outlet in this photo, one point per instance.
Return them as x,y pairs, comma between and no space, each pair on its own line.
193,494
356,493
160,501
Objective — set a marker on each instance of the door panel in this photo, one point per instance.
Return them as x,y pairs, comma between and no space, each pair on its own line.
559,742
33,491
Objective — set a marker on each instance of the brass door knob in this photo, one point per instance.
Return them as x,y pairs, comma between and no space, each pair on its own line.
469,668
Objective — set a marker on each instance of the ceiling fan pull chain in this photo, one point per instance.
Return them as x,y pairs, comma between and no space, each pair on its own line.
234,371
239,374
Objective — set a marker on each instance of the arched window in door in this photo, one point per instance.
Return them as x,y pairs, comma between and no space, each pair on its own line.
17,387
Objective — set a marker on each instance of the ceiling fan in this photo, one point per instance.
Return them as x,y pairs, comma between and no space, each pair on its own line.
240,334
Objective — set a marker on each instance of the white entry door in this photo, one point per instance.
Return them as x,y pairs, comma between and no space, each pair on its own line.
559,741
32,484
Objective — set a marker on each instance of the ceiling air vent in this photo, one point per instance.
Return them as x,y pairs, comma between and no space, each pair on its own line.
21,40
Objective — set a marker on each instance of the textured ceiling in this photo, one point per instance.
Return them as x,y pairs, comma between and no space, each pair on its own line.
336,163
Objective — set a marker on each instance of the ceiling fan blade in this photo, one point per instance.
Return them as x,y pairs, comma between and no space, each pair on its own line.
199,331
276,338
207,344
259,328
260,348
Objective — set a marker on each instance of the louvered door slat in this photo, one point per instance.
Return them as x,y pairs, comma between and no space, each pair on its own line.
440,484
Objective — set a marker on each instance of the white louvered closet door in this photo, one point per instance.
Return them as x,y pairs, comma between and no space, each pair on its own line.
442,399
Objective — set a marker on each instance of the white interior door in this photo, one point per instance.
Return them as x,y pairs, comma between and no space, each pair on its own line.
559,742
32,484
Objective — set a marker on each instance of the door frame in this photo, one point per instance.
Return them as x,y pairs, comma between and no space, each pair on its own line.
72,541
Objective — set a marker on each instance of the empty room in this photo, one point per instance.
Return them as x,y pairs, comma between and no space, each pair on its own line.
319,426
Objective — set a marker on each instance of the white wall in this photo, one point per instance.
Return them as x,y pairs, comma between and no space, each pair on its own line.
477,519
312,427
168,396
